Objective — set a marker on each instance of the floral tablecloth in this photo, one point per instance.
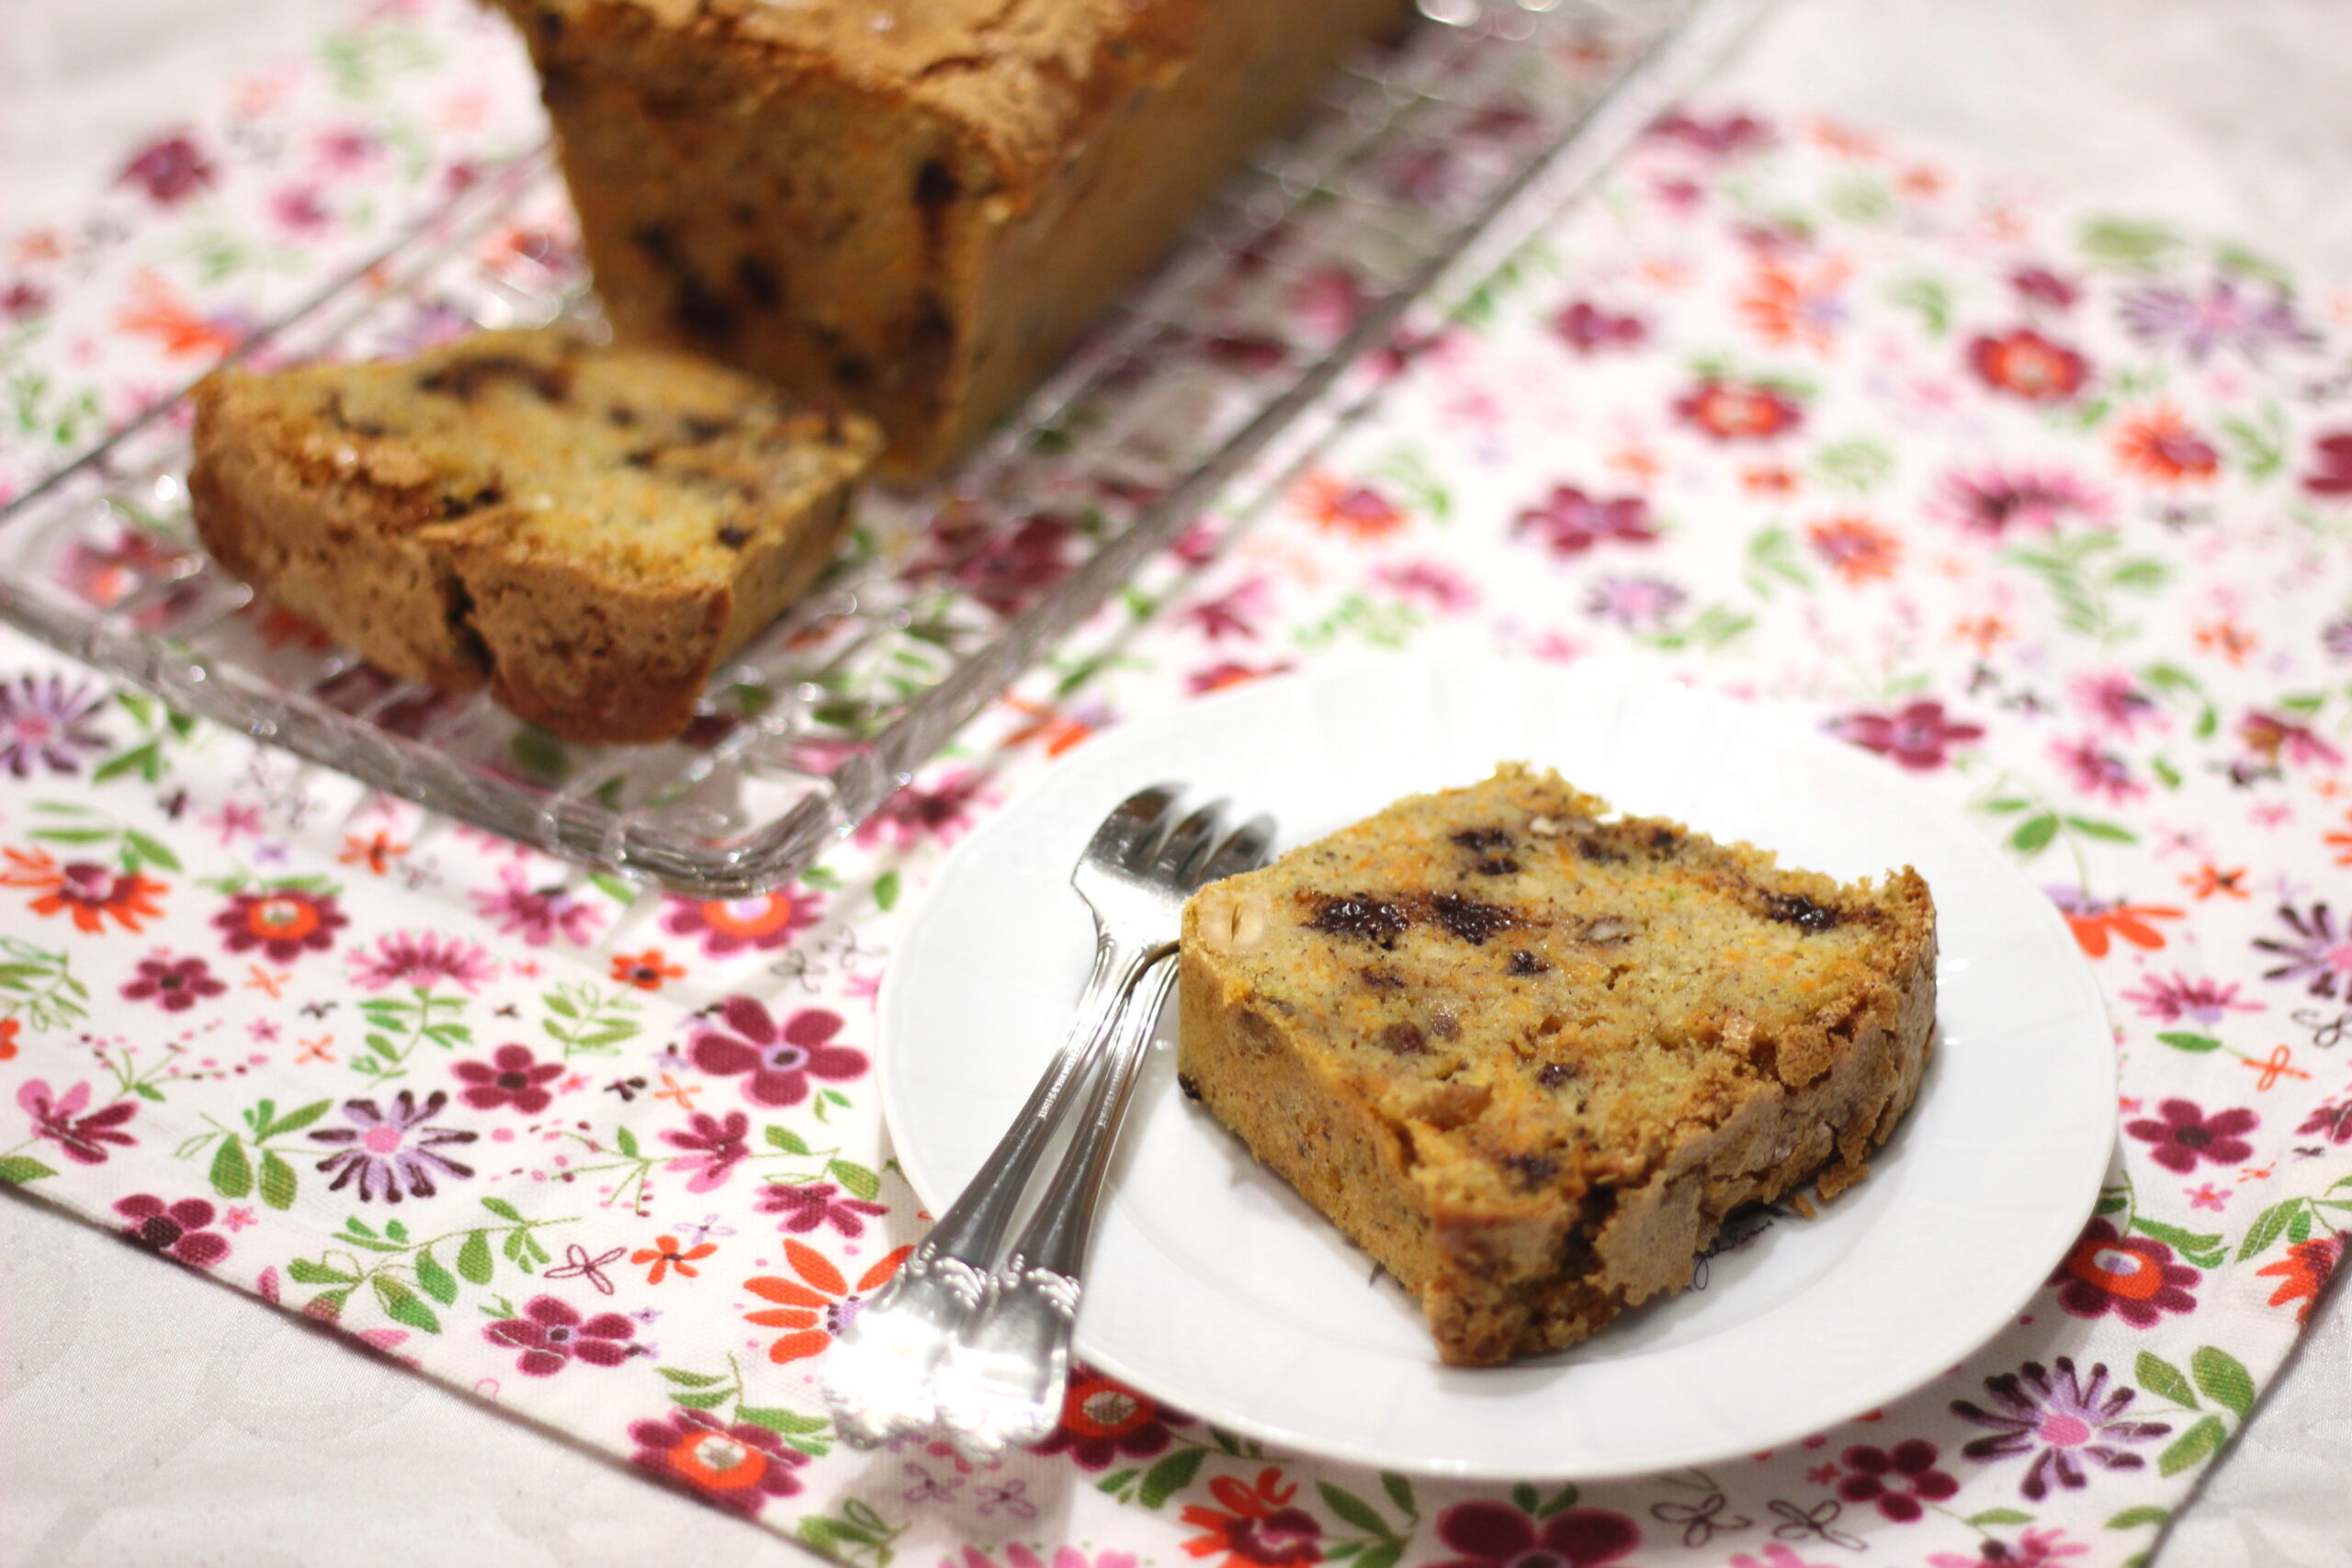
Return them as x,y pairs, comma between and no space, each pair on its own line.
2053,514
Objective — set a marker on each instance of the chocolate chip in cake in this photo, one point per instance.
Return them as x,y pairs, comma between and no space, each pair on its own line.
1361,915
935,185
621,416
1665,841
702,313
1482,840
1532,1172
1468,918
853,370
700,430
1796,909
1382,979
758,281
464,378
1501,865
734,538
1596,851
1526,962
1192,1090
1552,1075
1402,1040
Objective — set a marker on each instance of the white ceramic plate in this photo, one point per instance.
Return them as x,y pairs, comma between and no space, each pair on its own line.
1213,1287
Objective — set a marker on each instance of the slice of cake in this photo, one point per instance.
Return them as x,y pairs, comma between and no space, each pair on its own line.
590,530
913,208
1529,1054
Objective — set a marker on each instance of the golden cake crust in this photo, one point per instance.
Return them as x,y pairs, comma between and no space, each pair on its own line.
1529,1054
587,531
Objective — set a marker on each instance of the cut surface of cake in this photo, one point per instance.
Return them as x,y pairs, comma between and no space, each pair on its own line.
1529,1054
911,208
589,530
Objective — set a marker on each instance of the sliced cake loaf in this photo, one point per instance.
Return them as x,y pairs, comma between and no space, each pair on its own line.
1529,1055
588,530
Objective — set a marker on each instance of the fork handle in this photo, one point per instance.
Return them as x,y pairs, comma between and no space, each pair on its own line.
1001,1383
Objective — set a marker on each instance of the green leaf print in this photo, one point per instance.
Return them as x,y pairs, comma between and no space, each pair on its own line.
2119,242
2132,1518
2033,835
17,1169
474,1261
2223,1379
404,1305
2185,1040
2192,1446
233,1174
1999,1516
278,1182
433,1280
2161,1377
1170,1477
1353,1509
2268,1225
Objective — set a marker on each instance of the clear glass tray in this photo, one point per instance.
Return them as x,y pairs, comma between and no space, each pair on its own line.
1420,173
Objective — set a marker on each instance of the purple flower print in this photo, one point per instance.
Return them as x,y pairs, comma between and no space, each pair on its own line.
2332,1120
714,1148
511,1077
1898,1479
2185,1135
1569,522
1991,502
1918,736
2131,1275
1637,603
1495,1535
2115,700
175,987
780,1062
2040,286
420,960
1731,134
1587,329
551,1336
177,1230
392,1154
46,721
2319,948
2203,1002
284,923
806,1205
538,915
2098,772
2220,318
743,1466
938,812
169,171
2060,1418
58,1117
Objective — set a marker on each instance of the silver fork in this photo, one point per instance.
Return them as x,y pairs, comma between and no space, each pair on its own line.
1001,1383
877,1375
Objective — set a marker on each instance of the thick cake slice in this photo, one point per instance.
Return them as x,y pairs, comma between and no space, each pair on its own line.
1529,1055
588,530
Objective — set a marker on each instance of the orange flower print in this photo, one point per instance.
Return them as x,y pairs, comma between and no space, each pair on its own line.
2211,881
158,310
1856,548
1334,504
815,1307
1788,310
376,852
8,1029
1769,481
2159,446
667,1254
90,893
2096,924
1255,1527
648,971
2226,638
2340,841
2303,1273
2026,365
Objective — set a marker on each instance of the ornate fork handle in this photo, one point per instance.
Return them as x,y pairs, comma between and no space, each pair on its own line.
879,1374
1001,1383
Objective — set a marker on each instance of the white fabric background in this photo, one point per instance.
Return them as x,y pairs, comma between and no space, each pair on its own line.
149,1415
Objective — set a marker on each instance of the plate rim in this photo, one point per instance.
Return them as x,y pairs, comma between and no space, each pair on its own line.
1616,677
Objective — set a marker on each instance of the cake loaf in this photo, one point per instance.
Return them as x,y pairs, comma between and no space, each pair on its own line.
906,207
1530,1055
587,530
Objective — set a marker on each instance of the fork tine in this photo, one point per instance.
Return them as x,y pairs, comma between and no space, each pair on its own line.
1188,843
1133,826
1244,850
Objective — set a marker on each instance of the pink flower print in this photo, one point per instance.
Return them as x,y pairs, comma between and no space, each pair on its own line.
512,1077
1483,1534
1569,522
1989,503
762,921
1898,1479
807,1205
551,1336
1587,329
714,1147
2116,701
2034,1549
169,170
1726,137
1775,1556
2098,772
1019,1556
420,960
2132,1277
392,1154
744,1466
173,986
2064,1420
2332,1120
2330,473
2319,947
284,922
2204,1002
779,1062
59,1118
1636,603
2040,286
1429,582
940,811
538,915
299,209
1234,613
1917,736
2276,739
177,1230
